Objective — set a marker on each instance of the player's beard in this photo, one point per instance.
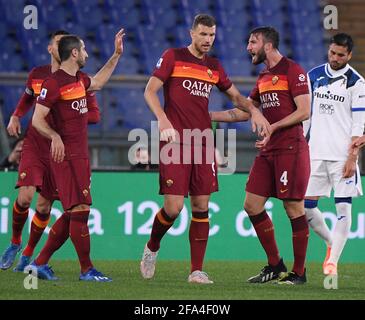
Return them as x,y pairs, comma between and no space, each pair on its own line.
201,50
81,62
260,57
337,66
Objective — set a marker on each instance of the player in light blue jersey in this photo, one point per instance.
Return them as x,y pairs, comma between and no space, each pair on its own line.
337,119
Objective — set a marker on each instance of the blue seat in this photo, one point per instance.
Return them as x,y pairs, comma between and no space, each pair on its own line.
231,49
128,18
308,5
182,36
233,5
90,15
117,4
152,52
216,100
10,44
55,15
151,33
237,67
12,63
154,4
166,18
262,6
76,28
237,20
3,31
128,109
93,65
202,5
188,14
14,15
11,96
127,65
309,19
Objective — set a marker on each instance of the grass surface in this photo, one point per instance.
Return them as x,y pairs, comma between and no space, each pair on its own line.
170,282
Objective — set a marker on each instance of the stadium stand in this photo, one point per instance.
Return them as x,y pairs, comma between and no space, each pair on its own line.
152,26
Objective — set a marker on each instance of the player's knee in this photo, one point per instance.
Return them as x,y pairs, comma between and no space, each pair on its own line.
199,207
25,199
44,208
173,209
251,208
43,205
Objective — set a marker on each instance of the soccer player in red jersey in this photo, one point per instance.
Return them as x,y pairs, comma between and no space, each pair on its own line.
63,95
34,163
282,168
187,76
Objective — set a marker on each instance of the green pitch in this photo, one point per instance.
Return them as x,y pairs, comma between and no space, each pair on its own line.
170,282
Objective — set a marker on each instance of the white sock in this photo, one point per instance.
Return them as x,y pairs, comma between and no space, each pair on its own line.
341,231
316,221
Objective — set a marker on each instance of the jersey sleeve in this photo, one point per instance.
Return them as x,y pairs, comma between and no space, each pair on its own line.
358,108
85,79
224,83
50,93
27,99
93,108
165,65
297,80
255,93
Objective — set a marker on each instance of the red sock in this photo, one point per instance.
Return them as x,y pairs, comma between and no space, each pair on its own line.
39,223
20,216
79,234
265,232
58,234
161,224
198,237
300,242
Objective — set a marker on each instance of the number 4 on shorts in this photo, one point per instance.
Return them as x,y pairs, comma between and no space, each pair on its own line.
284,178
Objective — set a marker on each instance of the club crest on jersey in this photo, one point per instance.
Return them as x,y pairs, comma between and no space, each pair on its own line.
169,182
275,80
43,93
210,73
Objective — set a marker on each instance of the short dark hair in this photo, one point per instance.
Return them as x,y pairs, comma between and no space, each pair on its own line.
203,19
67,44
344,40
270,34
58,33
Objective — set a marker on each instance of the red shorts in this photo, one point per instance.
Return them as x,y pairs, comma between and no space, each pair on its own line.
34,170
31,172
49,189
283,176
195,178
72,179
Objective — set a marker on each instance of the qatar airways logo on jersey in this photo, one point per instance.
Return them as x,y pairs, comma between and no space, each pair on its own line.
80,105
269,100
329,96
198,88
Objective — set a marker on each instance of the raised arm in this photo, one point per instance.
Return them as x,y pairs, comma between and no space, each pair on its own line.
39,122
167,132
102,77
